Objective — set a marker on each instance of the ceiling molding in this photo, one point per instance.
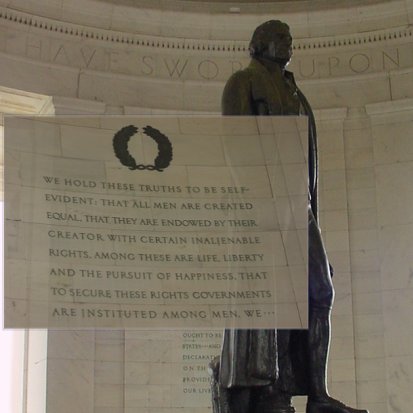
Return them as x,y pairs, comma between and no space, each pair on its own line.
13,17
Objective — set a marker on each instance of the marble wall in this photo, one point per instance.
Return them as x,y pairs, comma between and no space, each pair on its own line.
366,197
389,251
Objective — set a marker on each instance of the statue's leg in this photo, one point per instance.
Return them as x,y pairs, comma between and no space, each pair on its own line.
321,298
276,398
240,400
227,400
269,399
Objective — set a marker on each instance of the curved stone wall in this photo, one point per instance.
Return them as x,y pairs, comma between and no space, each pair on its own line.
177,60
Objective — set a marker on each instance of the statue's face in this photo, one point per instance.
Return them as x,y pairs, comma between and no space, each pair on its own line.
280,47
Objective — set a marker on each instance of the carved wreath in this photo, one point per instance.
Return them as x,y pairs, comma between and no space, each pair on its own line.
120,146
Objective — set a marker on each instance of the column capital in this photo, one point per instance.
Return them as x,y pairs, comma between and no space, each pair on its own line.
60,105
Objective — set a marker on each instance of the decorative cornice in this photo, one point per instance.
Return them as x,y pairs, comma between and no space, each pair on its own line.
116,37
358,39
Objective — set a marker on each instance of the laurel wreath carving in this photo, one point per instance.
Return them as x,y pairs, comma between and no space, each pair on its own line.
120,146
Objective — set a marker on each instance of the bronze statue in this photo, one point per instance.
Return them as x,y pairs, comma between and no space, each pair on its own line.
260,370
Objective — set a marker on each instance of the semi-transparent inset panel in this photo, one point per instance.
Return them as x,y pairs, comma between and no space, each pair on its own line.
194,222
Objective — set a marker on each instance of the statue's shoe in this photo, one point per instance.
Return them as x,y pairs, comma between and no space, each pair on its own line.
331,405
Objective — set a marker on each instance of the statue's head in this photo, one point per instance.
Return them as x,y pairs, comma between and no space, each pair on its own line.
272,40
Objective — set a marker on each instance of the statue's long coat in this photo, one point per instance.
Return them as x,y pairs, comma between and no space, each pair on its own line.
254,357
